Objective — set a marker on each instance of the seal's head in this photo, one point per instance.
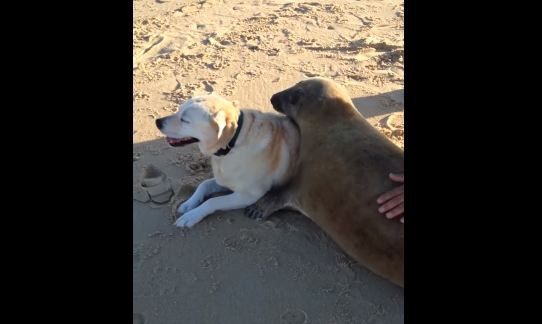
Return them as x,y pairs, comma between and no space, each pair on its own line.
309,96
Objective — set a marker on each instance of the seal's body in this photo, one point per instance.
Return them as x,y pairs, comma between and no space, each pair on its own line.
344,165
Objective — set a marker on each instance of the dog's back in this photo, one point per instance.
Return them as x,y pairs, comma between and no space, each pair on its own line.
266,149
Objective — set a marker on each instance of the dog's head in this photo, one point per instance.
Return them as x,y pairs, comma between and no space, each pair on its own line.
209,120
308,96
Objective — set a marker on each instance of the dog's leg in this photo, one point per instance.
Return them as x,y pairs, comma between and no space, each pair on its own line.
232,201
272,201
206,188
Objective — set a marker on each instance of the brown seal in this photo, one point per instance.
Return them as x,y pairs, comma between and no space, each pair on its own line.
344,165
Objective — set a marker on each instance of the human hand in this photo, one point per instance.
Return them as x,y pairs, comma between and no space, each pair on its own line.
392,202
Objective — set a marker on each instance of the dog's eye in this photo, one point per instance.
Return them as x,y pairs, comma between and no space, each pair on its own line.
184,121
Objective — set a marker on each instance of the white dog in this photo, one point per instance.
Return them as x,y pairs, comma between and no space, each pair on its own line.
251,152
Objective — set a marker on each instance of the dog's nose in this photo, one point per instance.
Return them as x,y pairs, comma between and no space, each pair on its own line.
159,123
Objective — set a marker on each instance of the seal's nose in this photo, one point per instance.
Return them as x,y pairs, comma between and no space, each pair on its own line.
275,101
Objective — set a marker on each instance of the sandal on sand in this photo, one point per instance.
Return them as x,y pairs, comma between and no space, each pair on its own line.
156,184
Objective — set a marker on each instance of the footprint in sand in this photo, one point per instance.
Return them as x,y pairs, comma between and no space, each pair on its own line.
184,192
296,316
156,46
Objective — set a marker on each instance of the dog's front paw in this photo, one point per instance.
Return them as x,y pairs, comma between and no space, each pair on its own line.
188,205
189,219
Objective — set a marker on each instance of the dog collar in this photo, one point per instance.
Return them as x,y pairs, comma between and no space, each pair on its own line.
231,144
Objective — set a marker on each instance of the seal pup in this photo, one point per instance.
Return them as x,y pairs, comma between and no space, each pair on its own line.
343,167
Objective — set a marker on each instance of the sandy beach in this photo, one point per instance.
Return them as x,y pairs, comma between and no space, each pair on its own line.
229,268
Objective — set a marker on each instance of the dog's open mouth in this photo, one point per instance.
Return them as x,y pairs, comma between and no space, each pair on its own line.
181,141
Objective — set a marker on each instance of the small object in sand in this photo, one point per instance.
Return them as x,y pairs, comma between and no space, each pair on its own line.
156,185
156,233
253,44
273,52
212,41
188,9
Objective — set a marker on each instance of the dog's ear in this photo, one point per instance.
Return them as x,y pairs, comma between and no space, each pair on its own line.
220,120
225,127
